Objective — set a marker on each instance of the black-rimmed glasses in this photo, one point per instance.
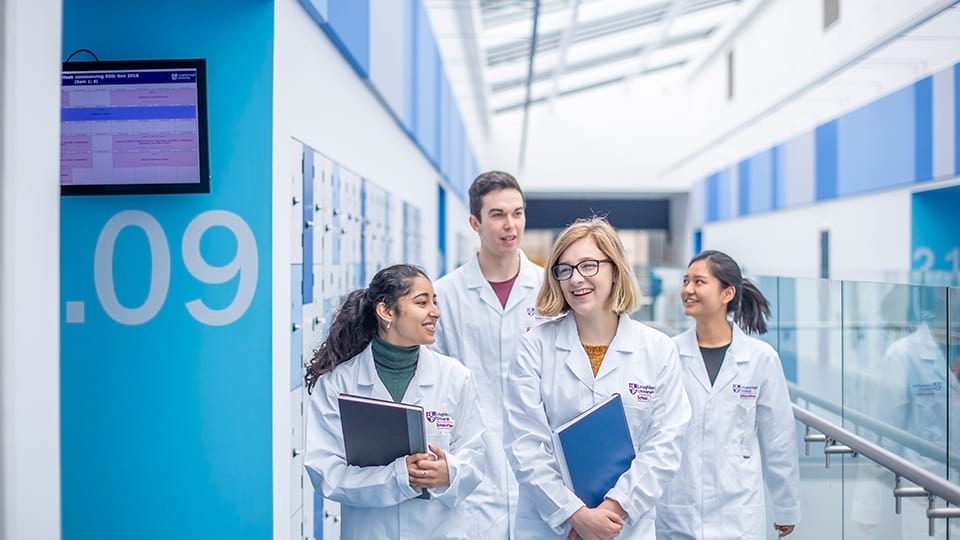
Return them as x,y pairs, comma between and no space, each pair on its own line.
587,268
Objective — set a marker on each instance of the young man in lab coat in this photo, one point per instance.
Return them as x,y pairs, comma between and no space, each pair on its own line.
487,304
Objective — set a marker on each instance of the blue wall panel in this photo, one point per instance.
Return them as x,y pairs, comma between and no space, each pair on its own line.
743,187
923,130
410,58
956,118
935,236
428,86
760,184
349,21
777,188
875,145
825,152
725,193
166,427
711,198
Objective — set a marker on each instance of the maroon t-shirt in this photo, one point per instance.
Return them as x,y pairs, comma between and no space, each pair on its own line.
503,289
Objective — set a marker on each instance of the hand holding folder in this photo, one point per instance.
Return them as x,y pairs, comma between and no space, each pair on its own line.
376,432
594,449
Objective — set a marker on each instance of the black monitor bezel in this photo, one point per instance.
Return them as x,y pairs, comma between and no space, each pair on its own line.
203,186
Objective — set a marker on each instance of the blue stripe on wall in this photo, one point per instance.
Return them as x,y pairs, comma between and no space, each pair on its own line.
442,229
317,9
711,198
410,71
825,152
875,145
923,134
956,118
428,83
725,194
349,21
743,194
775,178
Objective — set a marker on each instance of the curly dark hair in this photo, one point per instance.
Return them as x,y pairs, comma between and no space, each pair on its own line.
356,321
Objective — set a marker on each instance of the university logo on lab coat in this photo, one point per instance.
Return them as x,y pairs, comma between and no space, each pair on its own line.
440,419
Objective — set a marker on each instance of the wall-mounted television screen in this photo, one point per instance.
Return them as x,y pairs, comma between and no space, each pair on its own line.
134,126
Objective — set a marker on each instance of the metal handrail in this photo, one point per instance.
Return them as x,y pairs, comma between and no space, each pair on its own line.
922,446
930,482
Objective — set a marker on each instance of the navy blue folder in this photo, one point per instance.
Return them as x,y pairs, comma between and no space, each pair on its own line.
594,449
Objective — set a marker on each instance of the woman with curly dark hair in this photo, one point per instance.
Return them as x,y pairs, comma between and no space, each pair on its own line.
376,347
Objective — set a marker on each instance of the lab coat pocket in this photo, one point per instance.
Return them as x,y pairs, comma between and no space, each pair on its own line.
744,521
638,417
677,522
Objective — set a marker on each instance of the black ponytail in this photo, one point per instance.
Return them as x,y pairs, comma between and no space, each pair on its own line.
356,321
749,307
753,310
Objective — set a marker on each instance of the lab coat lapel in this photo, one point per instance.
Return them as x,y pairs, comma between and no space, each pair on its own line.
526,281
691,358
478,284
622,345
575,357
368,382
736,355
422,380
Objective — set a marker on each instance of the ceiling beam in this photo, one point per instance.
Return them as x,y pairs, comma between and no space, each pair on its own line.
625,21
526,106
616,56
564,45
592,86
467,23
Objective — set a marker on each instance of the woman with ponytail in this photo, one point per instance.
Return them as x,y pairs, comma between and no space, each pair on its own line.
376,347
742,434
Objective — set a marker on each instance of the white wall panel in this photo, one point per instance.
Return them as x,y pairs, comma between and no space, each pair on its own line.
30,56
869,237
387,47
944,120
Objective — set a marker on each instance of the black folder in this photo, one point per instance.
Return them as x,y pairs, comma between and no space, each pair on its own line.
376,432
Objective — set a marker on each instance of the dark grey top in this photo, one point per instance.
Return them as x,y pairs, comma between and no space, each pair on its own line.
713,359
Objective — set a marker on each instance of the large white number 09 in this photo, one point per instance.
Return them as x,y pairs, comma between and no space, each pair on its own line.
159,267
244,263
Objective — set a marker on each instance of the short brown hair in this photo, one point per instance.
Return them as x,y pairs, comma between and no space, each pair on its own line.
487,182
625,297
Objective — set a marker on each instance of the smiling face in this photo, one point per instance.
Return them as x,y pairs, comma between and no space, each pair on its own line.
703,295
502,221
587,295
414,321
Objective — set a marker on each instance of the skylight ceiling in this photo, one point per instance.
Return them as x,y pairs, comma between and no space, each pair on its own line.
585,44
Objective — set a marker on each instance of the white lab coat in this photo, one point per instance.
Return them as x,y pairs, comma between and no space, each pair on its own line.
552,382
378,502
475,329
742,434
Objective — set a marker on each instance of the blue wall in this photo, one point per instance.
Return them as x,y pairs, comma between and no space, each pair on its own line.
888,143
935,237
166,420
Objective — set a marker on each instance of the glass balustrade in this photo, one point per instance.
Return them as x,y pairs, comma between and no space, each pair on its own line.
880,360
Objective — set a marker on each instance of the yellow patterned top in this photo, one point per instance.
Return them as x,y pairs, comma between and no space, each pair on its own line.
595,353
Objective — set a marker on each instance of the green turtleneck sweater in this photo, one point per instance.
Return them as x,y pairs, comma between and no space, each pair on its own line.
395,365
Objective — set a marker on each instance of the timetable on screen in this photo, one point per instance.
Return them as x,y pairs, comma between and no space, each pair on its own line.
134,126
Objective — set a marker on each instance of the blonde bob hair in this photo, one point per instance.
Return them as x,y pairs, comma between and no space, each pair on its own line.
625,296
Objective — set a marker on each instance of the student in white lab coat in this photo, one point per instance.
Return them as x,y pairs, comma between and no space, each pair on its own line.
487,303
743,433
567,365
375,348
